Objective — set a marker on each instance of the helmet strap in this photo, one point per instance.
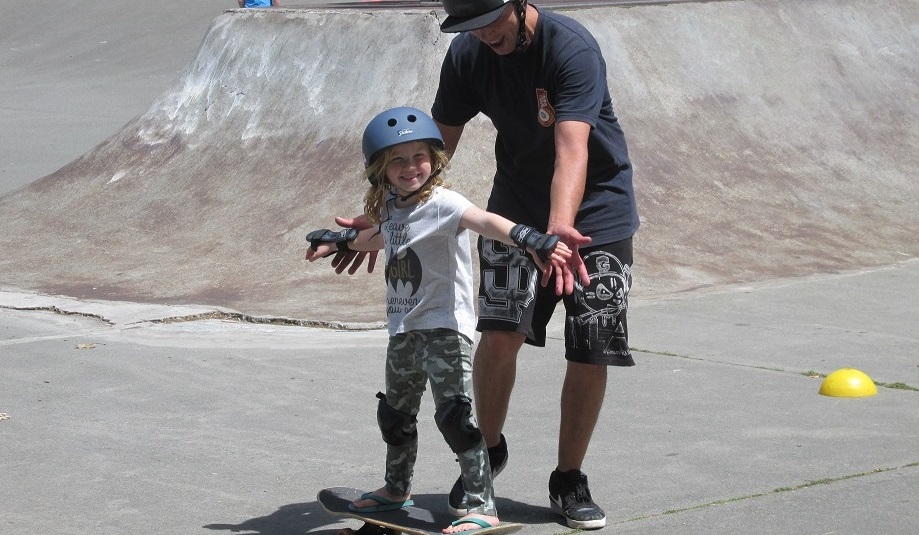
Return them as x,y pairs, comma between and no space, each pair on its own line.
404,198
522,42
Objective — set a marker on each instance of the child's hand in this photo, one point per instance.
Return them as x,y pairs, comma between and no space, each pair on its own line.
556,261
321,251
560,254
324,242
557,257
573,270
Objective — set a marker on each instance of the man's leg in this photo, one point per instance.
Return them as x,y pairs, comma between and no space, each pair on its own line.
582,399
596,336
494,372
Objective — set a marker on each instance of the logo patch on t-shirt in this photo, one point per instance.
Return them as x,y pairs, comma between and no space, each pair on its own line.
404,267
546,113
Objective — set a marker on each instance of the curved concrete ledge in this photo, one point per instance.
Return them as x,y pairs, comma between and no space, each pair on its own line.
770,139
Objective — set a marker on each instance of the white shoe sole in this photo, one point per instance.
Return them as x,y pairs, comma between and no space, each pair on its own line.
578,524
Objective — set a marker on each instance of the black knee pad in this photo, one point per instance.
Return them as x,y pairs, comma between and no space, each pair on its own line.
398,427
454,419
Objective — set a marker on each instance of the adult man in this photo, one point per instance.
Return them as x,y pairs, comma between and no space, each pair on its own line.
563,166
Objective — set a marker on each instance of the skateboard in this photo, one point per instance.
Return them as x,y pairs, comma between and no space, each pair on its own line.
412,520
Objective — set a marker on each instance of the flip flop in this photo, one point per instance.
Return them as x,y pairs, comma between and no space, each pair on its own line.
478,521
385,504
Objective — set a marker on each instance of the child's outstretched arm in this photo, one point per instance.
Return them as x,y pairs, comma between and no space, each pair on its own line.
549,253
324,242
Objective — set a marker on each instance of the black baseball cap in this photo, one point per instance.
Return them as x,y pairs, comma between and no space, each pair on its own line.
466,15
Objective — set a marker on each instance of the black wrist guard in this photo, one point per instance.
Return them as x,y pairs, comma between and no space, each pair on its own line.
525,237
324,235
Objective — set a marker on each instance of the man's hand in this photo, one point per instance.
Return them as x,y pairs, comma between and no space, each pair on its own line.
354,259
564,278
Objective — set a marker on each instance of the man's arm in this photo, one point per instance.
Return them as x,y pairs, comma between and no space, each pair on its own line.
568,184
570,175
451,135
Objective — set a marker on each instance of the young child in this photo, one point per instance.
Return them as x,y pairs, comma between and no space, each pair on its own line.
424,229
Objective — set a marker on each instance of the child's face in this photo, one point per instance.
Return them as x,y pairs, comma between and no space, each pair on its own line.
410,167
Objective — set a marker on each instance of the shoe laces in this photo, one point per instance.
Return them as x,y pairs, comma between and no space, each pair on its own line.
577,493
582,493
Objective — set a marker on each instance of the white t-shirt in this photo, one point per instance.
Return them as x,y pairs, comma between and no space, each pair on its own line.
428,265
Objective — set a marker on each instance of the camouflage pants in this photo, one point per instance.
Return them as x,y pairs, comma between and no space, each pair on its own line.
443,357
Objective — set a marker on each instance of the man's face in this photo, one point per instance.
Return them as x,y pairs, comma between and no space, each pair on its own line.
500,35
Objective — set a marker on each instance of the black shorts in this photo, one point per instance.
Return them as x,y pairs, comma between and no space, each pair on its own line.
512,299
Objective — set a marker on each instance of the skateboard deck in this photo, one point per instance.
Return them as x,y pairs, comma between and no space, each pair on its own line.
412,520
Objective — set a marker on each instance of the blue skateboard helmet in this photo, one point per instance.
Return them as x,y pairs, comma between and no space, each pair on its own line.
395,126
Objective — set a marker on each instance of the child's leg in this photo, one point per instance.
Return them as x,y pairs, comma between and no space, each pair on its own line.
405,384
448,361
396,415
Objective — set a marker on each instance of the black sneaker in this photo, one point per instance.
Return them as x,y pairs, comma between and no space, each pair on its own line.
497,458
570,497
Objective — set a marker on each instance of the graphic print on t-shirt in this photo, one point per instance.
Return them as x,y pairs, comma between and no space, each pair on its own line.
404,267
546,113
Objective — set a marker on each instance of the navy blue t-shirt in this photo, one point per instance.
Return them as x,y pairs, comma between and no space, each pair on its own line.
561,76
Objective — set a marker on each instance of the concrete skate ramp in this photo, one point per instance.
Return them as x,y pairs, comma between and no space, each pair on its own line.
771,139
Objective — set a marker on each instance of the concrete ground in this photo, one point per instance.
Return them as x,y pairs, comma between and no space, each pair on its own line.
148,384
120,423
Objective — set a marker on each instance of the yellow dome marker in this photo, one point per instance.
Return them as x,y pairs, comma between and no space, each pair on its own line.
848,383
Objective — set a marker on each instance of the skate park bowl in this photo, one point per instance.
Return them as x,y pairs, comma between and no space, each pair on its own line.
770,140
